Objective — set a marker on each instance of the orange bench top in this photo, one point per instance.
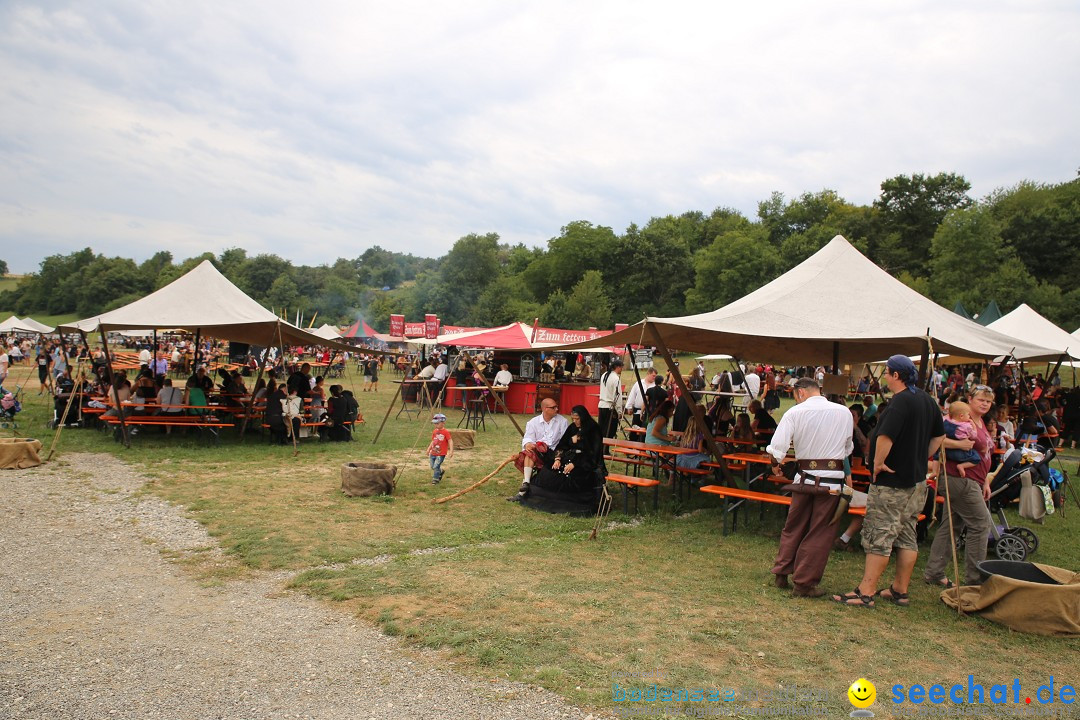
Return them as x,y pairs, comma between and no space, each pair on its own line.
631,480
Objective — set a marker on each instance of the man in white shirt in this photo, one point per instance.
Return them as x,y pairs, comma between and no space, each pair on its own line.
4,362
547,429
635,399
145,356
427,372
753,384
821,433
610,395
441,372
504,377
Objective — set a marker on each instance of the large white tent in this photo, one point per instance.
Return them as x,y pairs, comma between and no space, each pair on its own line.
36,326
204,301
836,304
1025,324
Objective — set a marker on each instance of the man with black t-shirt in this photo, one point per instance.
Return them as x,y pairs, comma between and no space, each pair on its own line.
908,434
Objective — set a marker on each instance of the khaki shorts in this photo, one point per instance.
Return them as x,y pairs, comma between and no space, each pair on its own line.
891,514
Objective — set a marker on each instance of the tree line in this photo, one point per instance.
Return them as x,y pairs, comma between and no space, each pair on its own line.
1019,244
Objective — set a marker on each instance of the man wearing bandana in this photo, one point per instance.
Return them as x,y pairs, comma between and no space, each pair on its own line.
906,437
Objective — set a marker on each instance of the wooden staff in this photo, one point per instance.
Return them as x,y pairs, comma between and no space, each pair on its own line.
601,511
478,483
74,397
943,479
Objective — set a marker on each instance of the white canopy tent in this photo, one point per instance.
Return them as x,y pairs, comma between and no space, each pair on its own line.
36,326
13,324
1025,324
836,305
327,331
204,301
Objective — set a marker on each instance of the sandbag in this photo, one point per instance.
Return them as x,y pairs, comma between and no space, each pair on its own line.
364,479
1049,607
18,453
463,439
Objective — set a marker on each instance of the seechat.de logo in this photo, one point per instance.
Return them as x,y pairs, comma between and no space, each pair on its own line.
862,695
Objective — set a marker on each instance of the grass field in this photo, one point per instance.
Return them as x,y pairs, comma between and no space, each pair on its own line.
504,591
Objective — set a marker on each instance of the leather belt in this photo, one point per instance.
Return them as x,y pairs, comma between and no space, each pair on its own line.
821,465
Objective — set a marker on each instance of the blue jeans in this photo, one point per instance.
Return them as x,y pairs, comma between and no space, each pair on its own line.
436,466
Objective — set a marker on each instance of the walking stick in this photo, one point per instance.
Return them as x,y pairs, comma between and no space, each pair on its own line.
478,483
943,479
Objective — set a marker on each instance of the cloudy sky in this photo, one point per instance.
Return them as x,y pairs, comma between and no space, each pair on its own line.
315,130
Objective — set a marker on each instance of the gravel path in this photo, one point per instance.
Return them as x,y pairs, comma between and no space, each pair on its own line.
94,623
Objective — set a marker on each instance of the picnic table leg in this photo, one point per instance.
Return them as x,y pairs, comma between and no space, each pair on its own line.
723,520
656,498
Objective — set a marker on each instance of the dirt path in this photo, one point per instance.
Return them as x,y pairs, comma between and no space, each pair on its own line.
94,623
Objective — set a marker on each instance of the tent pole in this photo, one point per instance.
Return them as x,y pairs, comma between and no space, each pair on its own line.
112,381
924,360
836,357
1052,374
697,410
498,396
389,409
637,374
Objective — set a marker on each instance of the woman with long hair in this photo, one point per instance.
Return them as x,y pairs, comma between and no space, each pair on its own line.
657,431
693,437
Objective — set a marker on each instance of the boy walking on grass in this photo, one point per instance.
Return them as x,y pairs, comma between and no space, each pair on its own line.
440,449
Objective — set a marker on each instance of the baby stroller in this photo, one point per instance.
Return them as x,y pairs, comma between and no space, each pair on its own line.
10,406
1018,468
65,387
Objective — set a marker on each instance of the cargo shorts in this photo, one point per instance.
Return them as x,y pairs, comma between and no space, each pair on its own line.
891,515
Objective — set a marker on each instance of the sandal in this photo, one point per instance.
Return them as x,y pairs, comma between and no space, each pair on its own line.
895,597
945,584
854,599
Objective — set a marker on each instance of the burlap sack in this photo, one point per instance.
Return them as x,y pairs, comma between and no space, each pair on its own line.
1040,608
364,479
463,439
18,453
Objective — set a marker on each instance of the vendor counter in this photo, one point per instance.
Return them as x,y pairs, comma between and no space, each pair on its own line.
524,396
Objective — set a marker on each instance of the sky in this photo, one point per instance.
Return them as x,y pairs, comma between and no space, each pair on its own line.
316,130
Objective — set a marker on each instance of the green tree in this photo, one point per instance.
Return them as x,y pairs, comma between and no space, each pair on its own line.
258,274
1042,224
588,304
283,294
580,247
3,267
555,312
909,212
734,265
970,263
649,273
505,300
468,268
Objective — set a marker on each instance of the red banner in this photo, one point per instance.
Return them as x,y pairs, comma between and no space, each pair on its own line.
415,329
431,326
397,325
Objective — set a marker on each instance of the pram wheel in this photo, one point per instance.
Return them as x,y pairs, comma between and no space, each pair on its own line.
1028,536
1011,547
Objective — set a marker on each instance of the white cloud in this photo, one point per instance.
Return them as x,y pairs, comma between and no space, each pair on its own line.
315,131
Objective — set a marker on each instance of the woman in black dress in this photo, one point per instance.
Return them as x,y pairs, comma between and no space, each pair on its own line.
577,456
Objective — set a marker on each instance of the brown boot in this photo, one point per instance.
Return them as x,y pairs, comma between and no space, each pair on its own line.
781,582
807,591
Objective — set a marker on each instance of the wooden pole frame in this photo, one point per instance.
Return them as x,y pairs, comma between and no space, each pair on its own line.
697,410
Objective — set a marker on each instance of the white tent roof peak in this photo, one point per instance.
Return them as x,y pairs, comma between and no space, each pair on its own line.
203,300
1025,324
837,299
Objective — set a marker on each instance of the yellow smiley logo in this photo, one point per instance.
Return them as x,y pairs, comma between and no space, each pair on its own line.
862,693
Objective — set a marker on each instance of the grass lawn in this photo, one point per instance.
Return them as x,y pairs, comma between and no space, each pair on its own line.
505,591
